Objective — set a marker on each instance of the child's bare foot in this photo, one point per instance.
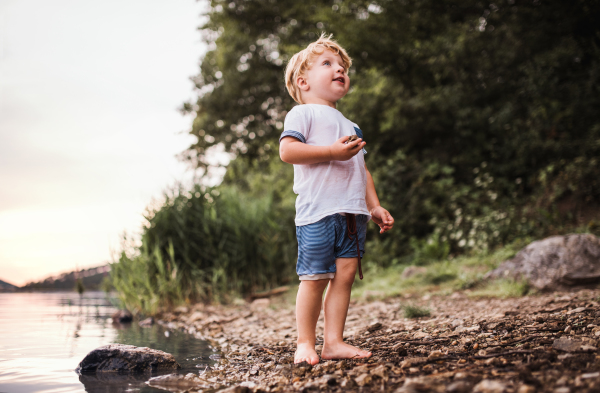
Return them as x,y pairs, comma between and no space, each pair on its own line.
306,353
343,351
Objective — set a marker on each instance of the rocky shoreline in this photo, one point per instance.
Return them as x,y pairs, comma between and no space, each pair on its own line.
539,343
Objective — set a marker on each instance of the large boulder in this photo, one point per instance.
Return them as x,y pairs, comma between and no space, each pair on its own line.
555,262
127,359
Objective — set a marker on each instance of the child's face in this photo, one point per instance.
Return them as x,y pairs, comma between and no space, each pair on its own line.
326,81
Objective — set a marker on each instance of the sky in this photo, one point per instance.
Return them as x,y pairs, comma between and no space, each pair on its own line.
89,127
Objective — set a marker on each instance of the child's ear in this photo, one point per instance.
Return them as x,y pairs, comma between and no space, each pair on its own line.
302,83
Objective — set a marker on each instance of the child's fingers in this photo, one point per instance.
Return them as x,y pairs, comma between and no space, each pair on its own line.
355,143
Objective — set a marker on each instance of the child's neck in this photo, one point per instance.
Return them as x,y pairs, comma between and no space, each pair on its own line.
318,101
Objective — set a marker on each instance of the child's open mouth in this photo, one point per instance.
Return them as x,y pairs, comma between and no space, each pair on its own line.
341,80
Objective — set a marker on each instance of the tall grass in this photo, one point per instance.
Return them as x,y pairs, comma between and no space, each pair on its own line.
442,276
208,245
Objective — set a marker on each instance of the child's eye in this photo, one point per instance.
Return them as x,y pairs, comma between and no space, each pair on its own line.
326,62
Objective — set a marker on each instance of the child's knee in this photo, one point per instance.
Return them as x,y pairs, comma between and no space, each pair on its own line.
345,276
314,285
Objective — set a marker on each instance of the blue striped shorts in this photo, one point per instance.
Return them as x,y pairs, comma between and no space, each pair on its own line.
322,242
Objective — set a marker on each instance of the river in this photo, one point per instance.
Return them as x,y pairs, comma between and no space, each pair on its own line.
44,336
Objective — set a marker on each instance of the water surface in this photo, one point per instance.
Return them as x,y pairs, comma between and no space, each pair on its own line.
44,336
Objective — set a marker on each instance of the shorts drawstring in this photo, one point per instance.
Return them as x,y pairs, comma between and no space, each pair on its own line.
352,231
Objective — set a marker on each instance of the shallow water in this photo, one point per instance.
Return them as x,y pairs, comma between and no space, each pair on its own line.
44,336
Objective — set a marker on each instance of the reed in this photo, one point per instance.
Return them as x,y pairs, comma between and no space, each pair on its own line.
207,244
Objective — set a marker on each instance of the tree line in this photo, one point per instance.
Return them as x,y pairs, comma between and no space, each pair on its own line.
481,121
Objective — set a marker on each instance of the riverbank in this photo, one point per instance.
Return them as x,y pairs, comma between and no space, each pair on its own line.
536,343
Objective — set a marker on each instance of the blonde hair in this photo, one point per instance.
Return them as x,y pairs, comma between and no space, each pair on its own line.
302,61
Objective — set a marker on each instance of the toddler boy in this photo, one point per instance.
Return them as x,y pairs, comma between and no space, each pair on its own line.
336,196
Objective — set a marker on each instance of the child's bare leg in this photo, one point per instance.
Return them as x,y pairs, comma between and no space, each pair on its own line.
308,308
337,301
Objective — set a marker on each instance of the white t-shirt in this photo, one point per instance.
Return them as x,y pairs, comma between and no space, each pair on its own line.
328,187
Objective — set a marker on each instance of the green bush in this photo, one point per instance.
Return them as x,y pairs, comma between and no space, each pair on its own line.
209,244
481,121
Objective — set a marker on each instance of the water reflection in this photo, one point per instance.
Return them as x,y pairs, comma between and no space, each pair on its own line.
44,336
115,383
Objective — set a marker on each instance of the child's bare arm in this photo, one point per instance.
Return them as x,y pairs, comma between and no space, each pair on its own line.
379,215
293,151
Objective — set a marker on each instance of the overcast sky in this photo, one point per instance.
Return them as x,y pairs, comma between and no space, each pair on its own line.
89,128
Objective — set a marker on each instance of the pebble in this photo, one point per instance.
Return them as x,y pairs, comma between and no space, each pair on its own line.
476,346
526,389
490,386
459,387
380,371
362,379
411,362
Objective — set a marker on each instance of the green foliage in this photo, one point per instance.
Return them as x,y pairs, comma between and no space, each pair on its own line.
210,245
480,118
503,288
414,311
106,285
441,277
431,249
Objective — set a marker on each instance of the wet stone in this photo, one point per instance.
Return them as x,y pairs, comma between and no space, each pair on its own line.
122,316
126,358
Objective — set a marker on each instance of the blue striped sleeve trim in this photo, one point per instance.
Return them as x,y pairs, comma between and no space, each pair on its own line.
359,133
295,134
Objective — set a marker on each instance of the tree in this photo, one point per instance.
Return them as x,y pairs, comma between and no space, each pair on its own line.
477,115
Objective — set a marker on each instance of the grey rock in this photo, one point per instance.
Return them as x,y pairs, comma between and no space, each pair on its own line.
555,262
122,316
126,359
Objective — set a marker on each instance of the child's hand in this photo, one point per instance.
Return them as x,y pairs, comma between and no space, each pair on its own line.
382,218
340,151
